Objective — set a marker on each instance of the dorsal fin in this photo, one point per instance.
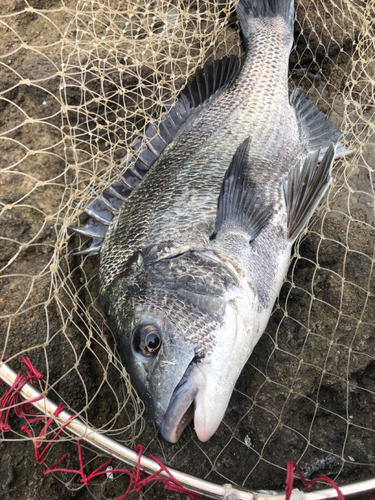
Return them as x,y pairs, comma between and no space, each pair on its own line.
209,81
240,205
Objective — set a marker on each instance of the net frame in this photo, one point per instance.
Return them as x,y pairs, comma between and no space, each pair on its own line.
130,457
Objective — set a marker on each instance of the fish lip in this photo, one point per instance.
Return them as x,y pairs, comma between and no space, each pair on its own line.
180,411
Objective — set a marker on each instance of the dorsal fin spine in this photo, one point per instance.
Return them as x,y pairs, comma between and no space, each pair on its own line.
151,147
112,190
208,82
200,87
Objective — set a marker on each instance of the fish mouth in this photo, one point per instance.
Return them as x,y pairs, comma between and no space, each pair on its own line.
181,407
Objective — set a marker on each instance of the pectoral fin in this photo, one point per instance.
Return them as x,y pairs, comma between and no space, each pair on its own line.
305,187
240,204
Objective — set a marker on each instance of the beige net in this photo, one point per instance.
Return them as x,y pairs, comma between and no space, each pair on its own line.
78,83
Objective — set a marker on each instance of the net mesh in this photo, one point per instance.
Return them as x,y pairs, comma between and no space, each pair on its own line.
79,81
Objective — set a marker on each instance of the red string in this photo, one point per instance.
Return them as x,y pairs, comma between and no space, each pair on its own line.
32,372
37,443
291,466
11,398
170,483
86,480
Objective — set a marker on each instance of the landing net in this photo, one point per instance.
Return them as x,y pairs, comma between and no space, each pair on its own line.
79,81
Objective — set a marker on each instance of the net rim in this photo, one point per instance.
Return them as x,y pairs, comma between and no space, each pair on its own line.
130,457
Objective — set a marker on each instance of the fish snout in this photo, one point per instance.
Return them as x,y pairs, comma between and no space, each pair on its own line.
181,408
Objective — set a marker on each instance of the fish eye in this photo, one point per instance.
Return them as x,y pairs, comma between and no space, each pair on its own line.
147,340
152,342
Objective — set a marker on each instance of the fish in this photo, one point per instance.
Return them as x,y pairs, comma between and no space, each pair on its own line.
195,233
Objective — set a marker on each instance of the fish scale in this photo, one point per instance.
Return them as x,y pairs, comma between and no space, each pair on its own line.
201,184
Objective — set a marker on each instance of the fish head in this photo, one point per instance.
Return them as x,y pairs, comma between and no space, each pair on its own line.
181,324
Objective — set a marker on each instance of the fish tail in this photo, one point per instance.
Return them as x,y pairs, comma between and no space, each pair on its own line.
252,9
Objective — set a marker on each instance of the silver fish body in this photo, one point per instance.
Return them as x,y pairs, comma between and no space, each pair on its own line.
188,282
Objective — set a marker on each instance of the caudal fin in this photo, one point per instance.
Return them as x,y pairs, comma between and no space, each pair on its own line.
266,8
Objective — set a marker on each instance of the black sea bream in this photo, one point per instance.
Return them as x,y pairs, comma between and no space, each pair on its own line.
195,256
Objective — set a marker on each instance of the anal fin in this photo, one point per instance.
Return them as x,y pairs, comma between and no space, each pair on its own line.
315,128
240,204
305,187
